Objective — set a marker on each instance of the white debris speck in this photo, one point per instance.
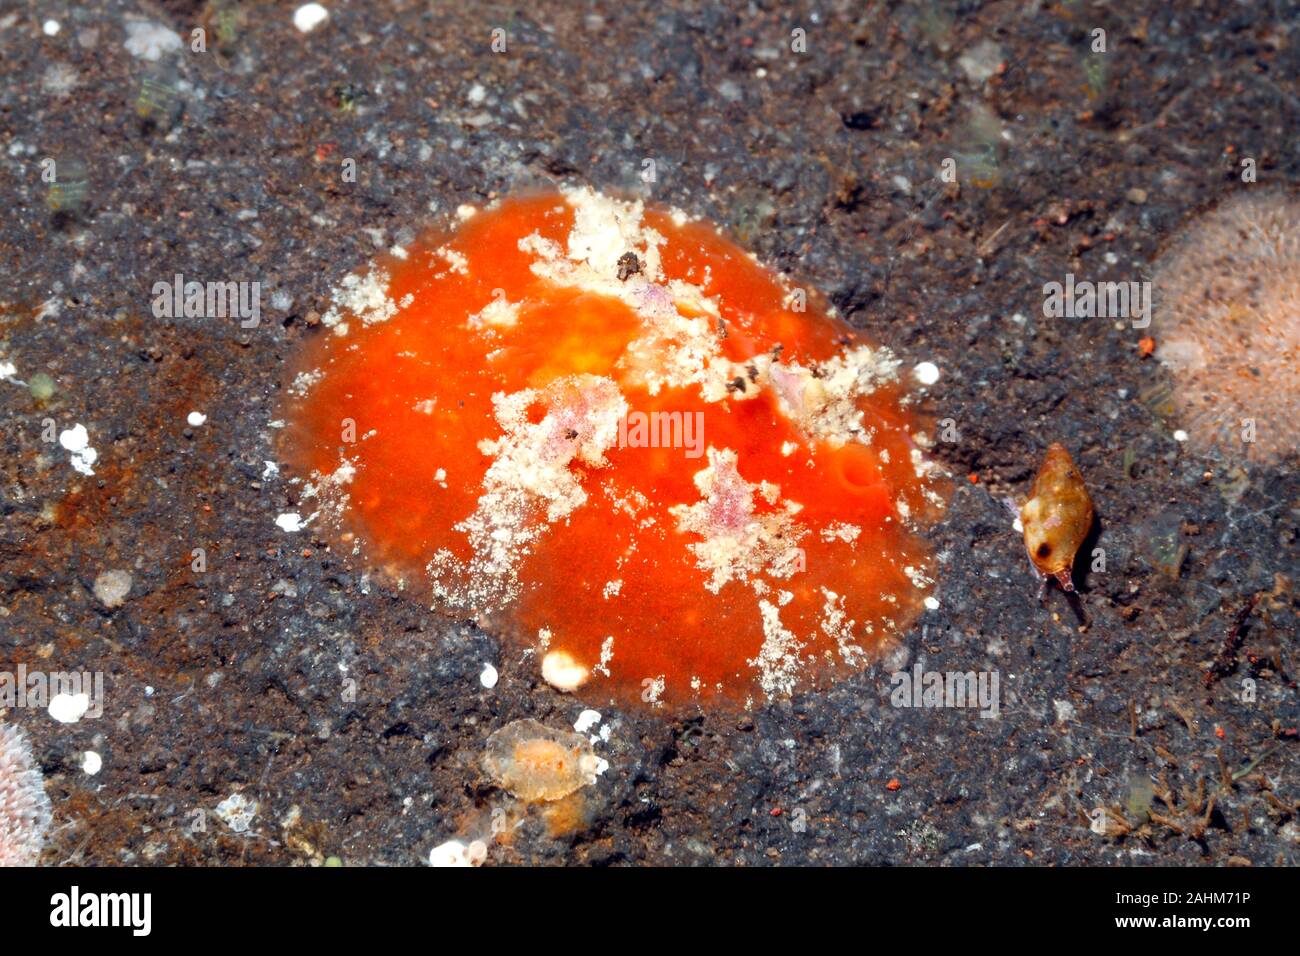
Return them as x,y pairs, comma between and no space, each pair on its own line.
456,261
77,441
932,603
1064,711
652,689
69,708
488,676
982,60
290,521
586,720
112,587
309,16
606,655
465,211
562,672
927,373
365,296
1180,435
51,28
237,812
270,471
59,80
498,313
195,419
91,762
149,41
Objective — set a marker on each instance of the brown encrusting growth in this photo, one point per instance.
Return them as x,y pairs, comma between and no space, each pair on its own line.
1227,319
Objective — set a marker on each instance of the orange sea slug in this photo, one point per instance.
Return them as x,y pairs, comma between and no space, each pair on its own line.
538,763
607,432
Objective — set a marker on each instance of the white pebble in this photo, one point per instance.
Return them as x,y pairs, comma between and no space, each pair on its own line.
112,587
1180,435
51,28
488,676
147,40
91,762
562,672
290,521
451,853
932,603
69,708
195,419
77,440
586,720
309,16
927,373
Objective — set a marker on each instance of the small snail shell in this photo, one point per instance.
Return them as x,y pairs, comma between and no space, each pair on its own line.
1057,516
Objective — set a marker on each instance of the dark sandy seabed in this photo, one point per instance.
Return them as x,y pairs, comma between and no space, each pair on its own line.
225,165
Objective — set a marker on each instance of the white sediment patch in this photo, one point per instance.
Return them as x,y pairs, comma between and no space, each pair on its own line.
778,659
606,655
837,625
680,345
737,540
497,314
822,400
364,296
841,531
532,482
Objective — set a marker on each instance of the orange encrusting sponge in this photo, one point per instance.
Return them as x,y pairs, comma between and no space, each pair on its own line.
610,433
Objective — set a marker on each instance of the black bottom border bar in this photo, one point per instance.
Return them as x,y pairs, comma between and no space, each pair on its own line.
333,905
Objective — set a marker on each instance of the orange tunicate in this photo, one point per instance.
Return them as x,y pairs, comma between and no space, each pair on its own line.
606,431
